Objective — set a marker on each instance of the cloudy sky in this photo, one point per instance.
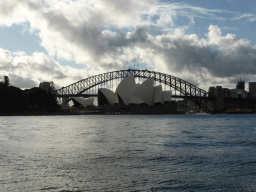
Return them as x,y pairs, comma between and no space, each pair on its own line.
205,42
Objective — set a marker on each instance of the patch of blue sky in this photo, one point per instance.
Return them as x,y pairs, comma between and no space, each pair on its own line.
145,17
17,38
232,5
183,21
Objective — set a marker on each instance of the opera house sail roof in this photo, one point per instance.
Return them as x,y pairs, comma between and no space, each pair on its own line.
84,102
128,92
126,89
158,94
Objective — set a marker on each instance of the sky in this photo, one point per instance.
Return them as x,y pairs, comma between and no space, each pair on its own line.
205,42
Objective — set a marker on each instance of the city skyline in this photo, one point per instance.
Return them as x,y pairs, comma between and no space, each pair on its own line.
204,42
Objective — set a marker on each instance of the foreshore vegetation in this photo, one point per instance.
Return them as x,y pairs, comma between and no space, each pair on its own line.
34,100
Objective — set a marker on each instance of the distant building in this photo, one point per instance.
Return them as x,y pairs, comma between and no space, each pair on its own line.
233,93
65,108
211,91
240,85
218,91
45,86
238,93
226,98
225,92
191,105
241,93
252,89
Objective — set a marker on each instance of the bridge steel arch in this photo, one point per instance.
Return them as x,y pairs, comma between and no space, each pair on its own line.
185,88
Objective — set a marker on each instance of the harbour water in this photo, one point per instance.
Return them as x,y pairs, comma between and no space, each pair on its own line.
128,153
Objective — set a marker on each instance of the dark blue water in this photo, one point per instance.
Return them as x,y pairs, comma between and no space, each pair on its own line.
128,153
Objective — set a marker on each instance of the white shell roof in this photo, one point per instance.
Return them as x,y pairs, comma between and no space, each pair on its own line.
158,97
115,98
145,91
136,100
126,89
84,102
167,95
133,93
110,95
126,96
137,85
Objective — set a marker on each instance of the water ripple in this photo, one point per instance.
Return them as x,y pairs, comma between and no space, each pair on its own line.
128,153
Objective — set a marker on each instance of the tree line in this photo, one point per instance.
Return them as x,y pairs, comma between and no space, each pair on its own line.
34,100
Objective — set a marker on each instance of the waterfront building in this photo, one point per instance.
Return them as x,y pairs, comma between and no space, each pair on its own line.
240,85
65,107
233,93
84,102
252,89
143,98
130,93
218,91
232,98
225,92
238,93
191,105
241,93
211,91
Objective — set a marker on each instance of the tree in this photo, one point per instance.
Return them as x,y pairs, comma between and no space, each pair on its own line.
46,101
6,80
52,86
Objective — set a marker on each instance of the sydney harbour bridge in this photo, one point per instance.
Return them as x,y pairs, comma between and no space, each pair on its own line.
88,87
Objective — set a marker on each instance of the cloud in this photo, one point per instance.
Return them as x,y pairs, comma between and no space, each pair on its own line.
248,16
13,12
22,82
112,35
28,71
221,56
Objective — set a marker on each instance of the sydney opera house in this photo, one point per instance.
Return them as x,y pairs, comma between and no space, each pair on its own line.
82,102
133,98
130,97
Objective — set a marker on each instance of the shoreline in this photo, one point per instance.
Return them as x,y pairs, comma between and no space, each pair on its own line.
98,113
47,114
83,113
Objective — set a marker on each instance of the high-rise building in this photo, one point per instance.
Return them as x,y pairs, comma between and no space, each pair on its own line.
218,91
240,85
225,92
252,87
211,91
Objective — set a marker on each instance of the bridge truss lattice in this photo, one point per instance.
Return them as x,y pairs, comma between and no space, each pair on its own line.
185,88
